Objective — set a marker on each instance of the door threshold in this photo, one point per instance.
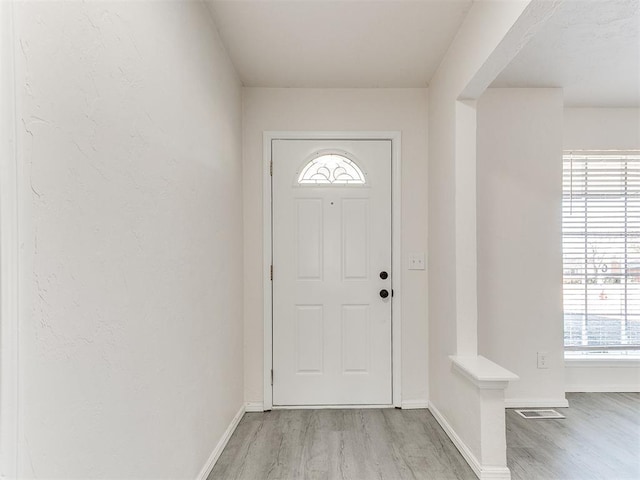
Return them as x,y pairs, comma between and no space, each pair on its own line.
328,407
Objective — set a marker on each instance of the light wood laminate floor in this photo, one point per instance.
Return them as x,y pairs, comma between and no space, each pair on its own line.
367,444
599,439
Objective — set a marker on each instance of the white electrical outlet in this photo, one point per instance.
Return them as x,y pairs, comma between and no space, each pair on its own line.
416,261
543,360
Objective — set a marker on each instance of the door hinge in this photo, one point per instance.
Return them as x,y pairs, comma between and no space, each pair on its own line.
271,168
272,377
271,274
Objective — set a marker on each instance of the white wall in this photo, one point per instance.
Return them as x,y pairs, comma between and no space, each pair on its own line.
519,228
338,110
452,315
131,239
484,28
602,129
602,375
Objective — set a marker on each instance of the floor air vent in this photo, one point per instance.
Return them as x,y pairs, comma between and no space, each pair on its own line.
539,414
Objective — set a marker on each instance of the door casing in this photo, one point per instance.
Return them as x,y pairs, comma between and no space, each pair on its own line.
396,252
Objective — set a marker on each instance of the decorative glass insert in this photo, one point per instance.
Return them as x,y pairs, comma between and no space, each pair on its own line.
331,169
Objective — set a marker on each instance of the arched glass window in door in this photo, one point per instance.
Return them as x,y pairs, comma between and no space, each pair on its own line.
331,169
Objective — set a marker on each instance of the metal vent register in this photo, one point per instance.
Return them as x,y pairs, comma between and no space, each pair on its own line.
539,414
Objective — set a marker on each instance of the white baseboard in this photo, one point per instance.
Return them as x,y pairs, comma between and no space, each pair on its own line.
254,407
213,458
600,388
536,403
483,473
414,404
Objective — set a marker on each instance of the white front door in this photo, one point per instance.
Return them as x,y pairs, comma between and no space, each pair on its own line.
331,272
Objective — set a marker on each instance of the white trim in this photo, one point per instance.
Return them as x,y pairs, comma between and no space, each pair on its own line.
252,407
602,362
329,407
267,255
414,404
613,151
9,299
396,262
603,388
396,247
536,403
482,472
217,451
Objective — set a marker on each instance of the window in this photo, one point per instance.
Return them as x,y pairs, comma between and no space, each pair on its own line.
331,169
601,252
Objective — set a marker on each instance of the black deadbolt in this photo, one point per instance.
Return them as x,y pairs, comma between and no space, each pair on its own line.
384,293
384,275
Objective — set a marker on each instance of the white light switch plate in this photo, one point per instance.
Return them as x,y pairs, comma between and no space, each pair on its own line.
416,261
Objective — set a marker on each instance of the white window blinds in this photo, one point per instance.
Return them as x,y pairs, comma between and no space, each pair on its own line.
601,251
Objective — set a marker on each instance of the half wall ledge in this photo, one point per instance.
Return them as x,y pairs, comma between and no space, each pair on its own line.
482,372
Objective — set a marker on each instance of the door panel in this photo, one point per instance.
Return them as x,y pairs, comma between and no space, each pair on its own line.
331,328
310,346
309,238
355,238
356,342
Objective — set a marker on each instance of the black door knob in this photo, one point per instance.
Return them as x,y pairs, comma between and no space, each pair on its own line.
384,275
384,293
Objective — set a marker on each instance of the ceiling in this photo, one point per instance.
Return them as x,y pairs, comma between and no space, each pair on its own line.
591,48
337,43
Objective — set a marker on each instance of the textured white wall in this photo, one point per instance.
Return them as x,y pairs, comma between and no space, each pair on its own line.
131,239
519,191
602,129
341,109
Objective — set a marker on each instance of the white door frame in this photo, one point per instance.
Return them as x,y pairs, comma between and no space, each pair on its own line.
396,252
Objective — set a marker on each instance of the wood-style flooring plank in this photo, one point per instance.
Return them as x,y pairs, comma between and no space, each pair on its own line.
598,440
367,444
